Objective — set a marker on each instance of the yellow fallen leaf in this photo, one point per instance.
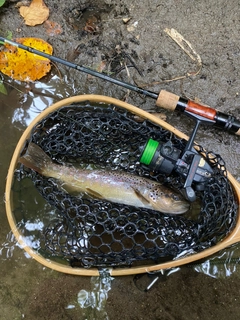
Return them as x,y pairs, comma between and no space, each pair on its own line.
35,14
23,65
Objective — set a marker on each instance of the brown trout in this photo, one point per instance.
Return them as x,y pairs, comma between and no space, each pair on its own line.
119,187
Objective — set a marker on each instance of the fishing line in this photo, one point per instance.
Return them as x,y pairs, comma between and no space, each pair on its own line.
164,99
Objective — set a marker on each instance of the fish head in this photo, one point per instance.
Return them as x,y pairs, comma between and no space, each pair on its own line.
168,201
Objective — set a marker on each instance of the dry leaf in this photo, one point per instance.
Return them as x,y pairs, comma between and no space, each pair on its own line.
92,25
35,14
126,20
132,27
52,28
22,3
23,65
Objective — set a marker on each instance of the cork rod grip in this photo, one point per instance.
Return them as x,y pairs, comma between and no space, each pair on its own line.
172,102
167,100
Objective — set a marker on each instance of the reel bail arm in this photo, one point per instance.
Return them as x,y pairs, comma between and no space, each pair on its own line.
196,171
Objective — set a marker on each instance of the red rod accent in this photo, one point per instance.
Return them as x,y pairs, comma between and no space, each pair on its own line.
201,110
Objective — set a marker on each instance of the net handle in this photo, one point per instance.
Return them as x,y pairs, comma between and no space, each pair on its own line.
233,237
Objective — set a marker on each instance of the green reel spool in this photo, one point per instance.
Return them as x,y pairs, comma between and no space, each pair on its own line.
149,151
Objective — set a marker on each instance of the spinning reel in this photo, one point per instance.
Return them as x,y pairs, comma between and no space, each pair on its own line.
164,158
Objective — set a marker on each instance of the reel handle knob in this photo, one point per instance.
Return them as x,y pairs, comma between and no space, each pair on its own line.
189,194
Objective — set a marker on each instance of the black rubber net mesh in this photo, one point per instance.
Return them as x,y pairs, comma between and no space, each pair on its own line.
91,232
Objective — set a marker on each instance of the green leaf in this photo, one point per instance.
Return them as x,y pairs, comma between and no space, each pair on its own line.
9,34
2,2
3,89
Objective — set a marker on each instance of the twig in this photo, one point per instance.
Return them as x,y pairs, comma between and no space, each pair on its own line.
186,46
188,49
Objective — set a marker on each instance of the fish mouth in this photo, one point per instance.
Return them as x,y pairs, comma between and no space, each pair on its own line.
180,208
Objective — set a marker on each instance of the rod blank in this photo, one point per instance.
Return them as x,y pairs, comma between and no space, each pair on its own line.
94,73
164,99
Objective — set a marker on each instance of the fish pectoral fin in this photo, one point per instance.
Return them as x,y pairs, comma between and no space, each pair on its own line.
141,197
94,193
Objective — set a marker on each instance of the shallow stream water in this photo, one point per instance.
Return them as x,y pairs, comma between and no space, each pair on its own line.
26,285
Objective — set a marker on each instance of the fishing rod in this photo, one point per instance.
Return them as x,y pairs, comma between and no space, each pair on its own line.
164,99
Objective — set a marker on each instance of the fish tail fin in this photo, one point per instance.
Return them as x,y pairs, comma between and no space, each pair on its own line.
35,158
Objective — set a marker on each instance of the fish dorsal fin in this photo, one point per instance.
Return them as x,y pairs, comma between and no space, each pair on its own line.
94,193
144,200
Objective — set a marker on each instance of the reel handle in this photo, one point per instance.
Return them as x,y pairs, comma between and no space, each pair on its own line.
172,102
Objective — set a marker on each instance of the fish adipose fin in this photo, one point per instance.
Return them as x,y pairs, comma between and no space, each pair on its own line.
141,197
35,158
94,194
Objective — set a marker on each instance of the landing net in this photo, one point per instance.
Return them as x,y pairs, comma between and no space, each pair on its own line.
96,233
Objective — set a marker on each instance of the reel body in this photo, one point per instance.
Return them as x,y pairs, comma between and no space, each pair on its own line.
165,158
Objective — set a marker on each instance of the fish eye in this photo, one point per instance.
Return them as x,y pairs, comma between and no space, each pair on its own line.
175,197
